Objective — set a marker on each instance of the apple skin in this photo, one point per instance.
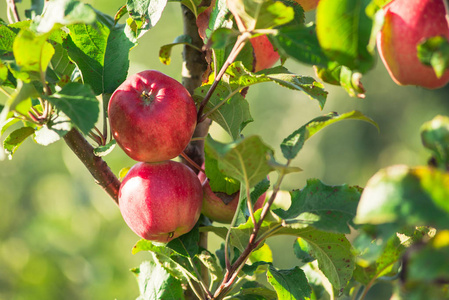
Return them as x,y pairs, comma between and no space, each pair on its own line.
215,208
152,116
264,54
160,201
407,23
308,5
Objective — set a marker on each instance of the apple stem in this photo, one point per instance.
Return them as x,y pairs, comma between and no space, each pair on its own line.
192,162
238,46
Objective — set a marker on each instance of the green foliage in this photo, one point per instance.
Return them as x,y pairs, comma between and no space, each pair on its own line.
289,284
343,31
295,141
55,66
156,283
329,208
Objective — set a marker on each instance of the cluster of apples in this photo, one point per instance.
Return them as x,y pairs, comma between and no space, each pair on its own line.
407,24
152,118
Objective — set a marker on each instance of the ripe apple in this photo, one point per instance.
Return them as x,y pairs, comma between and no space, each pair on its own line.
407,23
160,201
152,116
220,207
264,54
308,5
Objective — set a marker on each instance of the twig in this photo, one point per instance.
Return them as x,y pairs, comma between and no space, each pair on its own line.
192,162
97,167
240,43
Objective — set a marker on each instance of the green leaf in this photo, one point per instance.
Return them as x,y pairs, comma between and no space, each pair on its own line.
223,37
300,43
261,14
289,284
101,52
325,207
165,51
187,244
20,100
252,290
79,103
294,142
211,263
245,159
6,42
148,11
218,181
32,53
348,79
15,139
263,253
344,31
434,52
301,250
406,196
233,115
102,151
60,62
334,255
309,86
435,137
156,283
65,12
387,263
178,266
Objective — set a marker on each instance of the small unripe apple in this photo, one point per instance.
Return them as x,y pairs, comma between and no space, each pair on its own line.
221,207
264,54
152,116
308,5
160,201
408,23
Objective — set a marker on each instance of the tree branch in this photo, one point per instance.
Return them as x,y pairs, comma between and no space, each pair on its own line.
192,73
96,165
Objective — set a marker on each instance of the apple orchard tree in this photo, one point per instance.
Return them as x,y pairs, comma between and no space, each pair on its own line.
64,70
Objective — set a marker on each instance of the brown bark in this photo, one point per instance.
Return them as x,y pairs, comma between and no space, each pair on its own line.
99,169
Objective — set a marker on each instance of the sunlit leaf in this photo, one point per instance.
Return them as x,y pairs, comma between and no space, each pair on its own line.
165,51
289,284
292,144
156,283
79,103
245,159
344,31
15,139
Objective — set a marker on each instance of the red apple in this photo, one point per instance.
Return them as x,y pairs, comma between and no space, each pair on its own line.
152,116
220,207
160,201
264,54
308,5
407,23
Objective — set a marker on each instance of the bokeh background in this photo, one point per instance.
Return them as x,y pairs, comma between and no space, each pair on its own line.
61,236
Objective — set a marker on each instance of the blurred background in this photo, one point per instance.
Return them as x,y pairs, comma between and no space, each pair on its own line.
61,236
